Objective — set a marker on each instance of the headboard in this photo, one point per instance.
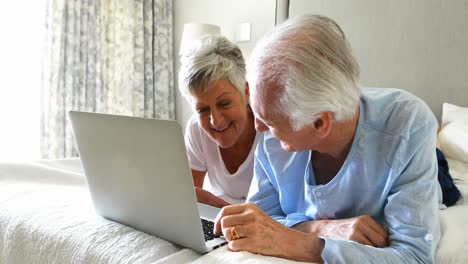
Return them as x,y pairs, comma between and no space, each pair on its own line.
418,45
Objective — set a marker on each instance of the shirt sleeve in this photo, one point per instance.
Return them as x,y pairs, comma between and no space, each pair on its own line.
262,192
411,212
194,145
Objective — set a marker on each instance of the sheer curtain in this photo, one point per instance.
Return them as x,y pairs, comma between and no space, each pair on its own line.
108,57
22,29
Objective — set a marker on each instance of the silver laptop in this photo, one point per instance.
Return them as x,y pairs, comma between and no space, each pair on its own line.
138,175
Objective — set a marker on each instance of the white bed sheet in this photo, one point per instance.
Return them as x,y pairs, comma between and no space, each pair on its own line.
46,216
453,246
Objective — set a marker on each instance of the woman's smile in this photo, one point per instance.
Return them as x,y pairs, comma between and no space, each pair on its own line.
222,129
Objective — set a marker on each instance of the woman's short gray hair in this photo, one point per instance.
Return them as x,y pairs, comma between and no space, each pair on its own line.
211,59
310,61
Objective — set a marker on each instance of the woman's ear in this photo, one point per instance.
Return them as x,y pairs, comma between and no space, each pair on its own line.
247,92
324,124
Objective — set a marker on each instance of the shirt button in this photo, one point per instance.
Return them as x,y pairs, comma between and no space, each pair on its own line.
318,193
428,237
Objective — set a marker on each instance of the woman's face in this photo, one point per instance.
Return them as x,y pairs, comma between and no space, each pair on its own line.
222,113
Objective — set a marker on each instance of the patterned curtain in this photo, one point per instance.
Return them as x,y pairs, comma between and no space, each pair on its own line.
107,56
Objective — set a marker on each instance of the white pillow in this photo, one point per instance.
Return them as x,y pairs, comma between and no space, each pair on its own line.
454,114
453,137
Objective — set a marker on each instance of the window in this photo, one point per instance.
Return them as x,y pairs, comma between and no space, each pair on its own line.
22,25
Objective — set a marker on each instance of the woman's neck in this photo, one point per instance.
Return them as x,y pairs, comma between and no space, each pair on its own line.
236,155
247,137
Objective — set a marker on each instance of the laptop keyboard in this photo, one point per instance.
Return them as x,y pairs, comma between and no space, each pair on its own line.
208,229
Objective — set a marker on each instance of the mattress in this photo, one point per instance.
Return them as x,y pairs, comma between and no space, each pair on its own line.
47,216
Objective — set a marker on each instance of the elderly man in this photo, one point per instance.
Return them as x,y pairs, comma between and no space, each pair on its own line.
349,175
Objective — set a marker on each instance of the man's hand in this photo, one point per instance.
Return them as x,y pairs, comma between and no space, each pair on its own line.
248,228
362,229
205,197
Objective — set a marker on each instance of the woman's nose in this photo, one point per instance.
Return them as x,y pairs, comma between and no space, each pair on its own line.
216,119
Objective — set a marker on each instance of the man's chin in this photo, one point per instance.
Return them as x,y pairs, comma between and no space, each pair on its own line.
287,147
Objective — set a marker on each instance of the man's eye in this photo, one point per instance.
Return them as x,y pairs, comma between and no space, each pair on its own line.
224,103
202,110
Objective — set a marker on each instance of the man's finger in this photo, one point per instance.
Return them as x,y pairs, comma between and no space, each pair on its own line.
377,227
236,219
244,244
225,211
360,238
376,239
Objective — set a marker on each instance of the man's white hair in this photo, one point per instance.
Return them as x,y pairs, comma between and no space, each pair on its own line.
310,63
211,59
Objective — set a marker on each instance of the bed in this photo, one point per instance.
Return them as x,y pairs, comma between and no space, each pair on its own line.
47,216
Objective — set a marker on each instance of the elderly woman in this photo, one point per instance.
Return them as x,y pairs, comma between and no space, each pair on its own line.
220,137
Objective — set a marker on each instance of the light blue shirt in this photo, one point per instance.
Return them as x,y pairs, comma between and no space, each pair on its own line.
390,174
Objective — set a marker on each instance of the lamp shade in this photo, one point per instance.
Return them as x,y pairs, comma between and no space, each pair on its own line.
195,31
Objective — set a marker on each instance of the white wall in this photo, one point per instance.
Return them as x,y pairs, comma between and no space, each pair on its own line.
226,14
418,45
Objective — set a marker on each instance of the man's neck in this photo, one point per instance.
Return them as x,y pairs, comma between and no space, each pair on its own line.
341,138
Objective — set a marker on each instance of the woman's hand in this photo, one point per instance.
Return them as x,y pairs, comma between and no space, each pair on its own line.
362,229
205,197
248,228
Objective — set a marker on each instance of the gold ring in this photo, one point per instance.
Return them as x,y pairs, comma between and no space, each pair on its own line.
234,233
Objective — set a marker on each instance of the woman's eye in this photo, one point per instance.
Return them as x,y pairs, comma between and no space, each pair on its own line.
224,103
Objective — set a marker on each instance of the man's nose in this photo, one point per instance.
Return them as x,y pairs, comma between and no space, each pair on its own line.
260,126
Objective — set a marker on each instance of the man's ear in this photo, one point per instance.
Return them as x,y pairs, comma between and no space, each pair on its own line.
247,92
324,124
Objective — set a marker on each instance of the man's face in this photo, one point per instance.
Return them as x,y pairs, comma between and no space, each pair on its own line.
279,124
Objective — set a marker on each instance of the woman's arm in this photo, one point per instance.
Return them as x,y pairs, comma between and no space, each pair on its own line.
198,178
204,196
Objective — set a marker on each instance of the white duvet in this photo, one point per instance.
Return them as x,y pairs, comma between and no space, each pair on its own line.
46,216
453,246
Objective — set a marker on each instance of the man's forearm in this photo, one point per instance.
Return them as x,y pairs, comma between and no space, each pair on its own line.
304,247
315,227
362,229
